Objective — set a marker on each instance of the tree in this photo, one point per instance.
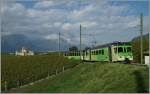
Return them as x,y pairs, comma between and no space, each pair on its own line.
73,48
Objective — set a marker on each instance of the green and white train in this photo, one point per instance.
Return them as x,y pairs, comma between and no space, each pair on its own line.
112,52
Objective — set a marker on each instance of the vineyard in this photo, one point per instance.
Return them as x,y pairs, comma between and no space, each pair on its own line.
20,70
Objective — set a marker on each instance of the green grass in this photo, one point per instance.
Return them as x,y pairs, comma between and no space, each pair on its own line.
85,78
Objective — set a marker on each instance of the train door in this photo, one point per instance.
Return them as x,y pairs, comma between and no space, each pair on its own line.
110,53
83,55
90,54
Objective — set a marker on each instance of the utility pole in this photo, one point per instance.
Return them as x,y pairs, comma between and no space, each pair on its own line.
141,32
59,43
80,43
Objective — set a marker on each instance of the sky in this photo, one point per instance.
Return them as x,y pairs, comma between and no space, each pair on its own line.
102,21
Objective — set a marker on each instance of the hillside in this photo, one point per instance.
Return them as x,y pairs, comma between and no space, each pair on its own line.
146,36
95,78
136,46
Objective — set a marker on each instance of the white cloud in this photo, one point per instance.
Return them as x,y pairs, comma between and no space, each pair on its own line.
83,12
57,24
43,4
51,37
69,26
47,18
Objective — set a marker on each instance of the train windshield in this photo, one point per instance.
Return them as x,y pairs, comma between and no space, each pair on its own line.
120,49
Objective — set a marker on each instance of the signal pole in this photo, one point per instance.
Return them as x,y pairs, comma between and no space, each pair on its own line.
141,32
80,43
59,44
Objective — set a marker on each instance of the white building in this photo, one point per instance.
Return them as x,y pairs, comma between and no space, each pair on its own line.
146,57
24,52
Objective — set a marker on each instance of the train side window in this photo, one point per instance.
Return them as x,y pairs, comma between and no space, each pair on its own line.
98,51
95,52
102,52
86,53
120,49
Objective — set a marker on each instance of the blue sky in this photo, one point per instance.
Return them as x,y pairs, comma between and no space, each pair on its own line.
104,20
139,6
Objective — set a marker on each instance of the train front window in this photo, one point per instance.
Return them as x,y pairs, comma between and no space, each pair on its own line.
96,52
128,49
120,49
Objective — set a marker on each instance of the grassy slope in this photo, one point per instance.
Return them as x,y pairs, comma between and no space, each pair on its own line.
95,78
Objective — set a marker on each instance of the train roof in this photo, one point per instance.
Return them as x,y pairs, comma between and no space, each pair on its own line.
110,44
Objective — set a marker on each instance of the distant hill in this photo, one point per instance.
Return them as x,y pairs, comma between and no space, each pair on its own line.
146,36
11,43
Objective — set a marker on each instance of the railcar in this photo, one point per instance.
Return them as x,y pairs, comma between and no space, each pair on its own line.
75,55
111,52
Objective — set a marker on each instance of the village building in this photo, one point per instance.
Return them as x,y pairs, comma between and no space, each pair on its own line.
146,57
24,52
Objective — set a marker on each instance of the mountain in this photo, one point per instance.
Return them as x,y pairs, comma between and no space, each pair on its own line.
11,43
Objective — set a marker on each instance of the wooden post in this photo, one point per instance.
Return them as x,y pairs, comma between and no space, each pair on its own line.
5,85
59,44
56,71
141,38
48,74
80,45
63,69
18,84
